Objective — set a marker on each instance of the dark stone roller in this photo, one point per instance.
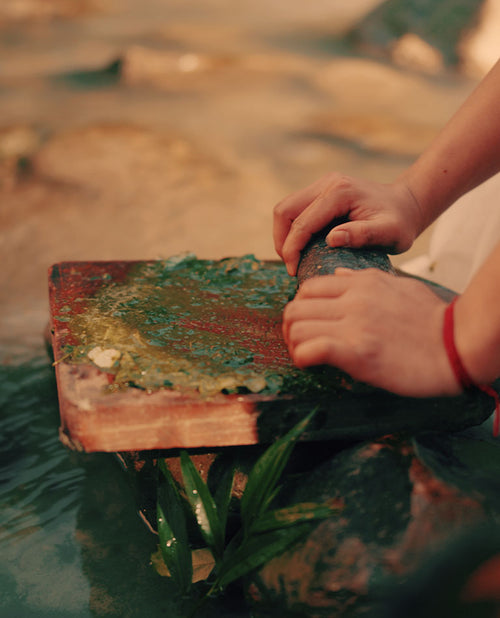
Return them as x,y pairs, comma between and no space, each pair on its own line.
318,258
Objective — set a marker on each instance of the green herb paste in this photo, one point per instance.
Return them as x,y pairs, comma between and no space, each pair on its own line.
190,324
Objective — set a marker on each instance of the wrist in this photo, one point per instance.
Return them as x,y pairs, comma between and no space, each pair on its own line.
432,189
476,342
414,217
462,374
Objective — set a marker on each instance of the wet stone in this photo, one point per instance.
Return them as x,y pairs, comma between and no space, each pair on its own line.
398,514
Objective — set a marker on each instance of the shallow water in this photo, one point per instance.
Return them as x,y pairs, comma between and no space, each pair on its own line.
71,542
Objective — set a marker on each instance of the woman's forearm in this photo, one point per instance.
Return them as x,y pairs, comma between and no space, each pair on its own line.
464,154
477,321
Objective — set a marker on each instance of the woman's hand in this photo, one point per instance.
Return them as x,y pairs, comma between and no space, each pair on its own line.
380,329
380,215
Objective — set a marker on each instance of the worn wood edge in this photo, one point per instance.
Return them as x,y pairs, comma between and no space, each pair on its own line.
97,421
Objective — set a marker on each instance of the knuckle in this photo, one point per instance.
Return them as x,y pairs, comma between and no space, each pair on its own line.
365,348
298,226
280,209
296,333
290,312
342,182
324,348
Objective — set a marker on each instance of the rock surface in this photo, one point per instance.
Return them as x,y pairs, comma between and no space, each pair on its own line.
401,508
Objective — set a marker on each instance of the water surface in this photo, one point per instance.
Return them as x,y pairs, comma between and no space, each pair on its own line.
71,542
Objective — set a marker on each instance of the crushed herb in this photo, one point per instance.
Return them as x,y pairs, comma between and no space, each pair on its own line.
190,324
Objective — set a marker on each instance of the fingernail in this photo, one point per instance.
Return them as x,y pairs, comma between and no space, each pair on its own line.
338,238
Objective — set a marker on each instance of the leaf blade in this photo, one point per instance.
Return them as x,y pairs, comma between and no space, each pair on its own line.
203,506
172,531
256,551
265,474
296,514
222,496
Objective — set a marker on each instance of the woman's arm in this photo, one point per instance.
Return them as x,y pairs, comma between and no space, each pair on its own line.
465,153
477,321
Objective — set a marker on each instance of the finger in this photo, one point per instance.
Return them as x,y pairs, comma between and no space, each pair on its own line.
305,330
320,350
322,211
325,286
283,216
358,234
288,209
311,309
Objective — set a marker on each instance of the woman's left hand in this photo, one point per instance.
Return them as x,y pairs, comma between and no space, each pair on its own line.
380,329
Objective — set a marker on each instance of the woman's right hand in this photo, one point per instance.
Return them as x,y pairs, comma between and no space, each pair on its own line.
379,215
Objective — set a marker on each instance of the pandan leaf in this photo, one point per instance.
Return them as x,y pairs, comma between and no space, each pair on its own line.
293,515
222,495
256,551
203,506
264,476
171,521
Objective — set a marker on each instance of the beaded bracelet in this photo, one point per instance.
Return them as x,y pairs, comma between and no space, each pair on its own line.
461,373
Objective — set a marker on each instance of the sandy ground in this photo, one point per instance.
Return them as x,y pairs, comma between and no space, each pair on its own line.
206,121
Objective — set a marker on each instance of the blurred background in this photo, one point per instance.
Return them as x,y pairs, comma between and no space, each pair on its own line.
138,129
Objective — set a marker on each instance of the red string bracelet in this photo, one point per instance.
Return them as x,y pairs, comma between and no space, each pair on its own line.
461,373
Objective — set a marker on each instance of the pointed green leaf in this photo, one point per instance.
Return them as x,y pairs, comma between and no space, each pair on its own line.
256,551
203,506
174,543
293,515
222,496
265,474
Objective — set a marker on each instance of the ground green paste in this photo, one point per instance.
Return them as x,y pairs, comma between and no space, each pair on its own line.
190,324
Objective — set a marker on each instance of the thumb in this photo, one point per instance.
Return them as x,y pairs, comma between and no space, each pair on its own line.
356,234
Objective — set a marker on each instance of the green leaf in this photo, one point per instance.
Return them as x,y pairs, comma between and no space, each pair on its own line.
171,520
222,496
256,551
293,515
264,476
203,506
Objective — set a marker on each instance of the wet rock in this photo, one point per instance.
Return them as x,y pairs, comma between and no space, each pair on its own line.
412,52
396,514
145,65
479,47
462,580
376,133
17,145
92,78
440,25
12,11
119,159
187,71
397,96
394,123
165,68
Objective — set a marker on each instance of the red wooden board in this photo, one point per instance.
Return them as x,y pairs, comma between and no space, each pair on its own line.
95,416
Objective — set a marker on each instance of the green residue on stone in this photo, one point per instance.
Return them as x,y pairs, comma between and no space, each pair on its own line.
184,323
